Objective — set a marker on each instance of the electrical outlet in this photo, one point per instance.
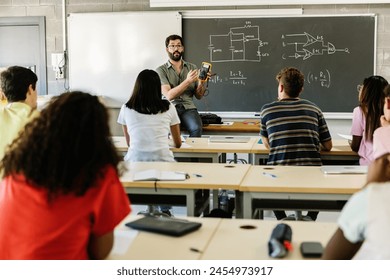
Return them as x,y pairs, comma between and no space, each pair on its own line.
58,64
59,74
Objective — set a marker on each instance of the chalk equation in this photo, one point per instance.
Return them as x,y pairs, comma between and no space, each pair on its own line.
304,46
239,44
234,78
321,78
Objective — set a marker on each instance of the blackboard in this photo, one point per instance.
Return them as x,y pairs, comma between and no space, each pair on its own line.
108,50
335,53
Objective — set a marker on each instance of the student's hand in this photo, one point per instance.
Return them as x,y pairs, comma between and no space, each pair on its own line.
379,170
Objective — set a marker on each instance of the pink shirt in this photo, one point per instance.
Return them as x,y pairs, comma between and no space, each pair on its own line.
32,228
358,129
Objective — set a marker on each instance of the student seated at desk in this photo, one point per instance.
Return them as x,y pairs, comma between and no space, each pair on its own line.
18,84
61,197
366,117
293,129
364,225
147,120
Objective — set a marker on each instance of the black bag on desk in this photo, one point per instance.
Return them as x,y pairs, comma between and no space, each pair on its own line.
208,118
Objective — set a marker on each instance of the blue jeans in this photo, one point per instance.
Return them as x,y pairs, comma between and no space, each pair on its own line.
190,120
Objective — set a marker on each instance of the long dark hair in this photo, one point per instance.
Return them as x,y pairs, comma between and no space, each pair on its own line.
371,101
66,148
147,97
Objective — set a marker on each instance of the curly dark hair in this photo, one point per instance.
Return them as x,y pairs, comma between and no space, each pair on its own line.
66,149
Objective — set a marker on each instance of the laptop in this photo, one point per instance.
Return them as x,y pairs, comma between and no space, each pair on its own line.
229,139
344,169
164,225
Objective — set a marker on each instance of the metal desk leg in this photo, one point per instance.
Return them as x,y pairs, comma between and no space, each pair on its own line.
247,205
239,204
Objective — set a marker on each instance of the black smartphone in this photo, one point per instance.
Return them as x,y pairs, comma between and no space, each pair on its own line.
311,249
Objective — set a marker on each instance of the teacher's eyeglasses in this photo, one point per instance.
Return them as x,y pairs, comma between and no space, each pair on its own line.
172,47
359,88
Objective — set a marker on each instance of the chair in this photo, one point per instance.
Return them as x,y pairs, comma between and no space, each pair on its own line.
297,217
153,210
236,159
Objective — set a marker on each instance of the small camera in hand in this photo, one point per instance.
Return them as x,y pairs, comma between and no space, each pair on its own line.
206,68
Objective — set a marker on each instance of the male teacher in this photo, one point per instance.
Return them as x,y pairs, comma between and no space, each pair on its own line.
179,83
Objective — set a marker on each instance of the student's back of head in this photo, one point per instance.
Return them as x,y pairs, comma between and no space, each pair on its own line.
147,97
65,149
15,82
292,80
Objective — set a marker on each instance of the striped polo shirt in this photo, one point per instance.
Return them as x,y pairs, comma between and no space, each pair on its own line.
295,129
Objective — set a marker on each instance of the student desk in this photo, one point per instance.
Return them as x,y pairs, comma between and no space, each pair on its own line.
295,187
340,152
202,148
217,239
120,143
153,246
252,244
203,176
251,127
199,148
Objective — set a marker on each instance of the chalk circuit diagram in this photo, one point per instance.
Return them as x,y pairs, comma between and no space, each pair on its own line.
239,44
304,46
243,43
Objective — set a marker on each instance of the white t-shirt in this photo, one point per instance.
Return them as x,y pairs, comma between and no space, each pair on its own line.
366,217
148,134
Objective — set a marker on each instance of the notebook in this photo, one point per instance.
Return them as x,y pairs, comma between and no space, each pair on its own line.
158,175
344,169
164,225
229,139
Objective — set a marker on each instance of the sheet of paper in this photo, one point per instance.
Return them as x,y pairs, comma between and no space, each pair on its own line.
185,145
224,123
345,136
159,175
183,140
122,241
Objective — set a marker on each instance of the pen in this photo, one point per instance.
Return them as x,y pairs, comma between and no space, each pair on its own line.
195,250
269,175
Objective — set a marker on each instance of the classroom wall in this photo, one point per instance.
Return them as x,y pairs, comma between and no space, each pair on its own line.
52,10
